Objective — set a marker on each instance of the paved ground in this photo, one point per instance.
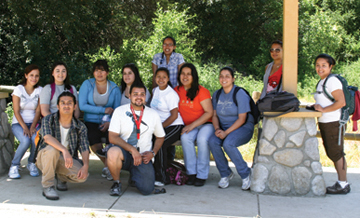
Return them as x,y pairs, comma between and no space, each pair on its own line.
23,198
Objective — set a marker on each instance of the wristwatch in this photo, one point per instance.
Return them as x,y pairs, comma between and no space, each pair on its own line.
153,152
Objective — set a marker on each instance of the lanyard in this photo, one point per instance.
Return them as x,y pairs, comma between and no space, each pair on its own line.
137,122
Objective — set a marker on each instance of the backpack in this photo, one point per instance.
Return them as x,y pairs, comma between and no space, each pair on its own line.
177,173
284,102
53,89
254,109
349,94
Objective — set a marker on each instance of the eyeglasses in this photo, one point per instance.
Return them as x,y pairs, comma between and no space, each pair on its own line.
277,50
170,45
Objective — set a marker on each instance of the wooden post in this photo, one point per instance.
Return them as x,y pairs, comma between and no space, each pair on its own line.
290,46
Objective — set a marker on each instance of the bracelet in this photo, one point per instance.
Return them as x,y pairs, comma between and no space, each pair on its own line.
153,152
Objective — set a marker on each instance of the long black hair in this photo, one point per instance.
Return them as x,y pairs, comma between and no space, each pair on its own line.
28,69
194,89
67,79
135,70
167,72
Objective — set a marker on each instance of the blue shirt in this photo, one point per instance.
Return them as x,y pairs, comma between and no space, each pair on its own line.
228,112
175,60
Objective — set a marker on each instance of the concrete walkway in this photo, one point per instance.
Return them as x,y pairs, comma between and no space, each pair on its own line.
23,198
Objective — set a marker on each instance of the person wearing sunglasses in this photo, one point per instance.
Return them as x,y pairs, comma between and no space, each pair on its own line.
273,71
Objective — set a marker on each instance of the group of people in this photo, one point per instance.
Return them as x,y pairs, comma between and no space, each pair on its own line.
139,129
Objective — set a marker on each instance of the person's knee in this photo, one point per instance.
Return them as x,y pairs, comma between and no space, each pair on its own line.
146,187
113,155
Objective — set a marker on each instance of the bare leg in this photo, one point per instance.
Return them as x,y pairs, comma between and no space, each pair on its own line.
114,160
341,168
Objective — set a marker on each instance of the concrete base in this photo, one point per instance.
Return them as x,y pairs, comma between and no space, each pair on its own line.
23,198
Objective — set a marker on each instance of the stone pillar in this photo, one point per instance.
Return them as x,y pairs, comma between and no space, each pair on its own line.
287,161
6,137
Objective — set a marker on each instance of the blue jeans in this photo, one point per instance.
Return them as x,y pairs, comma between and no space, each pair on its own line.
197,165
143,175
236,138
25,142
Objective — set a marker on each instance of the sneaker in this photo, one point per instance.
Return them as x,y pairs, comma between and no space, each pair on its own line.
159,184
115,189
199,182
224,181
106,174
33,169
61,186
337,189
14,172
50,193
246,183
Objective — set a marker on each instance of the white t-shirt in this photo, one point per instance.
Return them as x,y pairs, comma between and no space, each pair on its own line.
28,103
163,102
64,132
332,84
122,122
45,96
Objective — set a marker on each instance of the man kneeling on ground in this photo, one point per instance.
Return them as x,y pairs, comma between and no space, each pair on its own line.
61,137
130,133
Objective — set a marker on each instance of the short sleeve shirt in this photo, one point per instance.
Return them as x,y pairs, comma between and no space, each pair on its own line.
163,102
332,84
191,110
175,60
123,123
226,109
45,96
28,103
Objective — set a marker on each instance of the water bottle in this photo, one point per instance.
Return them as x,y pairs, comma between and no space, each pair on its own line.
105,118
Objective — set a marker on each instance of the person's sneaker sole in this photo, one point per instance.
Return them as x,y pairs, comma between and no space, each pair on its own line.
50,198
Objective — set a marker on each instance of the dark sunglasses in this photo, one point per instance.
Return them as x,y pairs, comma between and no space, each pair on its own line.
275,50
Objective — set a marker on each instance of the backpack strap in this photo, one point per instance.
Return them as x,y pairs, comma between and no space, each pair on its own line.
237,88
53,88
324,89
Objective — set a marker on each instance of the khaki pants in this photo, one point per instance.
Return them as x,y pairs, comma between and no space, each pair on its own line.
51,162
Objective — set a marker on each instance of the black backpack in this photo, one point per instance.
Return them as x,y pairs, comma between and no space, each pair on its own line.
254,109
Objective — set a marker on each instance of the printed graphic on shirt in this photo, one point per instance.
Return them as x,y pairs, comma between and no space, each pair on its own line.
187,103
155,103
224,105
132,140
24,100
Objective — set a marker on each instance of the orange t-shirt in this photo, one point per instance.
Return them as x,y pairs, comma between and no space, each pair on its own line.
191,110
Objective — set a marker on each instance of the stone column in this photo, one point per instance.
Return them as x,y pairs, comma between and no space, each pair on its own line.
6,137
287,161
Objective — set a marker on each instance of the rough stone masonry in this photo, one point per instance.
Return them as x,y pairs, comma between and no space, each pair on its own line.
6,140
287,160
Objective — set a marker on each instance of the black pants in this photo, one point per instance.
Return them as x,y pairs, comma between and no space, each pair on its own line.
161,159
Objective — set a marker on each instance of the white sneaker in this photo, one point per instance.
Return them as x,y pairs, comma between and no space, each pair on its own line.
33,169
159,184
246,183
224,181
14,172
